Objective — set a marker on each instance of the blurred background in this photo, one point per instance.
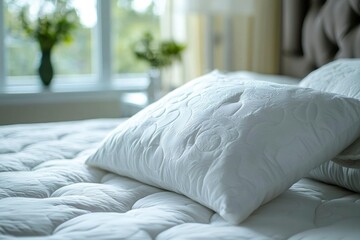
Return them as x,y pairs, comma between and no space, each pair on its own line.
99,64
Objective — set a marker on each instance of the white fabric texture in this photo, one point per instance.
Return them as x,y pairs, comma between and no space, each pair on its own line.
253,76
337,174
350,157
341,77
47,192
231,145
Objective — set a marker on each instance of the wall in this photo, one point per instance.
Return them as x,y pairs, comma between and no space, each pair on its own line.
48,107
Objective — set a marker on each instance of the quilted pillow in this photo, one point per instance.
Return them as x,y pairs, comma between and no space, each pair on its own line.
342,77
230,145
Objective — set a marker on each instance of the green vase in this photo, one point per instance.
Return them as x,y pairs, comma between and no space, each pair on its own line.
46,71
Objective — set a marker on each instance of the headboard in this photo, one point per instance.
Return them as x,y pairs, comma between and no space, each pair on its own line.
315,32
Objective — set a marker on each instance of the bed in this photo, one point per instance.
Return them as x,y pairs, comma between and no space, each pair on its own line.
174,172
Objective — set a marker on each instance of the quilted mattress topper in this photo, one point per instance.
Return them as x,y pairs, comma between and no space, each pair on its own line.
47,191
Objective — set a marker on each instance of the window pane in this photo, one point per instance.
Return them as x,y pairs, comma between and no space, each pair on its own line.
130,19
76,57
22,52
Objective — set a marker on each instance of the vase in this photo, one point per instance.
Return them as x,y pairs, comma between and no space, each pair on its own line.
46,71
154,87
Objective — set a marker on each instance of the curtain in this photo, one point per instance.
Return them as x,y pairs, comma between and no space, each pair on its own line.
254,43
186,29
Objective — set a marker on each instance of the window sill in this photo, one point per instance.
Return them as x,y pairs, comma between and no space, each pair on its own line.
69,92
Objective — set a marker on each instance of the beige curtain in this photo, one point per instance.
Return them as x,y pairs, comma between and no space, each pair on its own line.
255,40
266,36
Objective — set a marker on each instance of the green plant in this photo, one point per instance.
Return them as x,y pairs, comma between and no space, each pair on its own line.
50,26
157,54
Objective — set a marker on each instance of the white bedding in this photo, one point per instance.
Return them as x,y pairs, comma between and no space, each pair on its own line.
229,144
47,191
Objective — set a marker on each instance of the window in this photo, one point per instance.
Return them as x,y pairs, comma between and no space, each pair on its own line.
131,19
101,46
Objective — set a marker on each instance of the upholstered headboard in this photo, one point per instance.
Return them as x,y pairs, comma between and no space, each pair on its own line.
315,32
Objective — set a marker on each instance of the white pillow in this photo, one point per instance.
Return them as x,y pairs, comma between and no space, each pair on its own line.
230,145
342,77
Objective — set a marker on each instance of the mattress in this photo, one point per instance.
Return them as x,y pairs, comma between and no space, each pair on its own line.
48,192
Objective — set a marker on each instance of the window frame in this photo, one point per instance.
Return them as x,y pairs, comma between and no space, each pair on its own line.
2,46
103,42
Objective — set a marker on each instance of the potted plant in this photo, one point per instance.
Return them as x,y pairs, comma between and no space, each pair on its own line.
54,23
157,54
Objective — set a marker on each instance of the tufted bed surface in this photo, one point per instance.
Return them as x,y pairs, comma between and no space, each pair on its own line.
47,192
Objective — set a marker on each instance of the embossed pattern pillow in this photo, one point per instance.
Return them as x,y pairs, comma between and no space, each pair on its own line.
341,77
230,145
